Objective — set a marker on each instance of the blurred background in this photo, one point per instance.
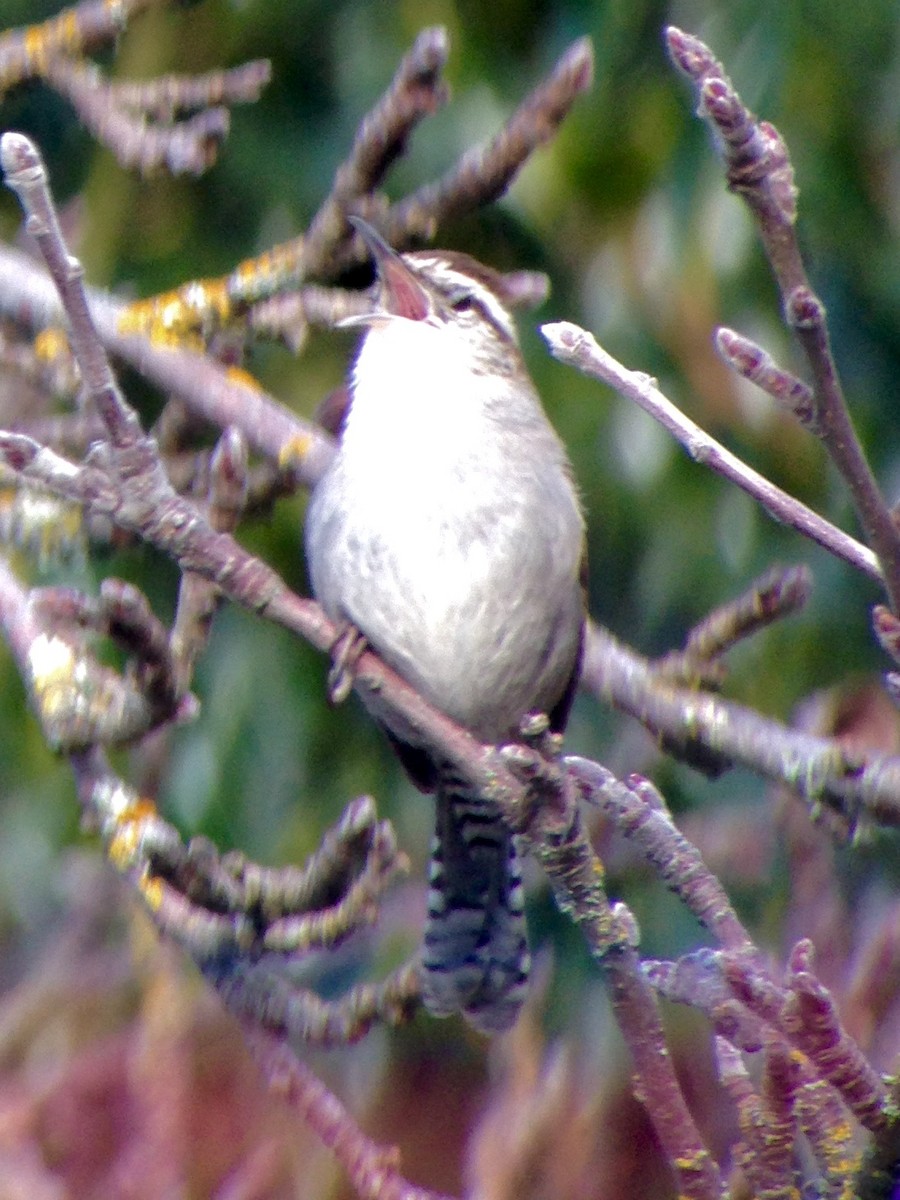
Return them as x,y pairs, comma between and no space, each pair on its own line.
627,213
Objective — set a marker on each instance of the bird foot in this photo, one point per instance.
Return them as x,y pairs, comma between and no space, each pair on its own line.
346,650
536,761
535,732
545,781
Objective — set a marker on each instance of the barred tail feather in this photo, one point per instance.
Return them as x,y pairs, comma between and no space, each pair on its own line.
476,956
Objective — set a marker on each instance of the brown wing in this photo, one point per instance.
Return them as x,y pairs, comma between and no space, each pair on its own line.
333,408
418,765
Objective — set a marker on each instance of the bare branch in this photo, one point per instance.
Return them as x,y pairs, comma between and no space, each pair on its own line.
415,92
140,123
639,813
573,345
759,170
547,818
188,147
78,701
271,1002
779,593
811,1019
820,769
198,598
805,1013
373,1170
221,911
483,174
188,315
167,96
81,27
222,396
141,500
753,363
244,923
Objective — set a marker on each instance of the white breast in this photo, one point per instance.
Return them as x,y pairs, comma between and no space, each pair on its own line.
449,532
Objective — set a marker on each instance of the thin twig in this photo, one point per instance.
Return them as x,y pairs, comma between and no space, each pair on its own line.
373,1170
484,173
187,147
639,814
573,345
777,594
415,92
548,820
168,95
84,26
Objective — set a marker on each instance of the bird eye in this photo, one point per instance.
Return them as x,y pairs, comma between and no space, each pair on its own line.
462,301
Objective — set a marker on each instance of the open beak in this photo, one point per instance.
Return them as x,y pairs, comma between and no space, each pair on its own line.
402,295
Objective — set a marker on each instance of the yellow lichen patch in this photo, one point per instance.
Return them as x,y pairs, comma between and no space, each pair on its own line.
185,317
123,847
257,277
209,299
50,344
244,378
693,1162
188,315
294,450
46,527
60,34
65,32
35,41
138,317
151,889
126,837
841,1157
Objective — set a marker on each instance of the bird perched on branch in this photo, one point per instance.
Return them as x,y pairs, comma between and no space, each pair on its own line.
448,532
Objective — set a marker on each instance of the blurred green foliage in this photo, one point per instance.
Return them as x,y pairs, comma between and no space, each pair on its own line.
627,213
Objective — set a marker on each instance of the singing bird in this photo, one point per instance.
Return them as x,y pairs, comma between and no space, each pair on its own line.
448,532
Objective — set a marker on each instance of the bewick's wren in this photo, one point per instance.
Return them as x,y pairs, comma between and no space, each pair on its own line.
448,531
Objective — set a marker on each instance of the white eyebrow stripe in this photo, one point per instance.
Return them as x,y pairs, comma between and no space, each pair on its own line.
448,279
